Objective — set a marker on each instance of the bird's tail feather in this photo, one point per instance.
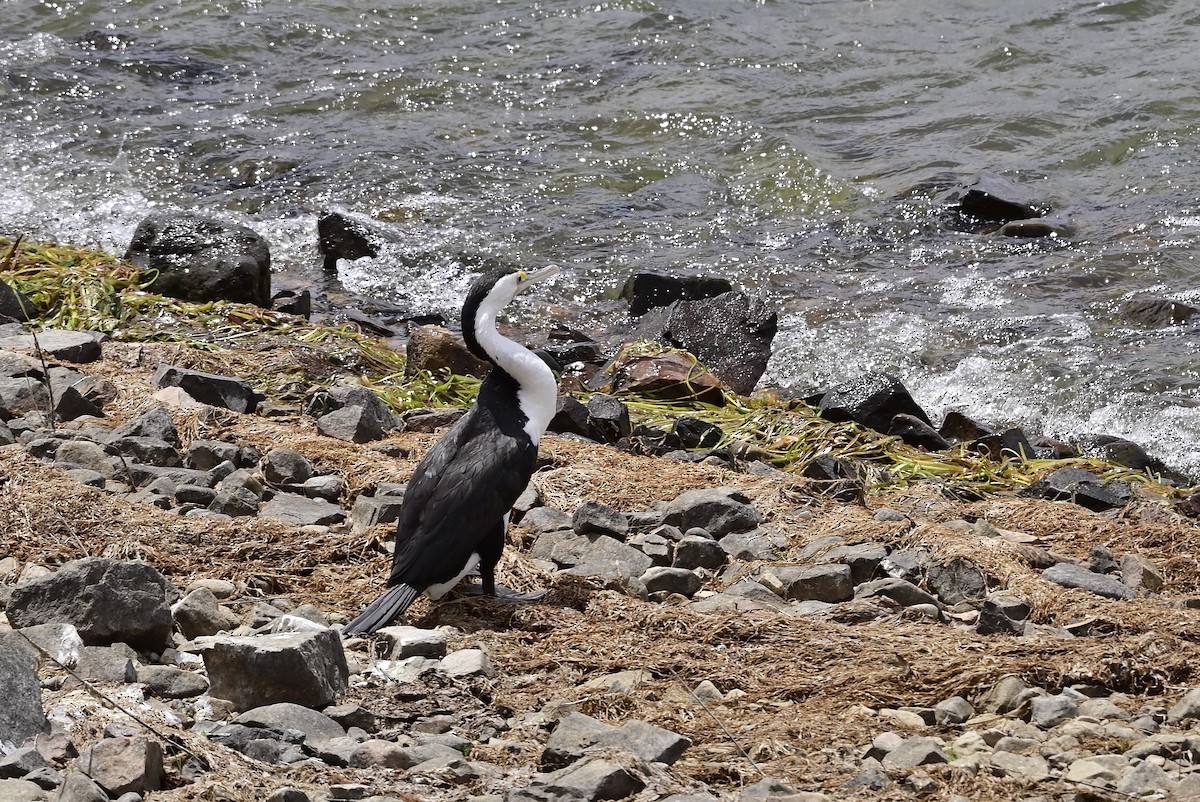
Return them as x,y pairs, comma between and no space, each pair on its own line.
383,611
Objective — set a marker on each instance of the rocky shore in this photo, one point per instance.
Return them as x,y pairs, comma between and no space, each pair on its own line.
180,543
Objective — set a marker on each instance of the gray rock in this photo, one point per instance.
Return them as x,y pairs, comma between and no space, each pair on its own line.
288,795
318,728
307,668
1147,778
577,734
718,511
123,764
60,641
1097,770
871,400
694,551
351,715
155,424
69,346
768,789
404,642
588,780
21,762
19,396
369,511
1186,709
85,454
907,565
608,418
1002,614
297,510
329,487
350,396
671,580
78,787
209,388
741,596
1030,768
660,550
594,518
913,752
863,559
283,466
24,791
956,580
198,613
904,593
204,455
540,520
1049,711
952,711
169,682
1137,573
1070,575
826,583
351,424
1081,487
604,557
748,546
467,663
106,664
108,601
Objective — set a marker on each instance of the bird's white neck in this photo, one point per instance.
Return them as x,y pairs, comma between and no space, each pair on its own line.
538,393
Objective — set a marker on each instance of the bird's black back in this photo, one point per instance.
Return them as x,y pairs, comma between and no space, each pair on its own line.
463,487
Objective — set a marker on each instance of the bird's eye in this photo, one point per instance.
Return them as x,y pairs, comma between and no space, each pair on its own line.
522,275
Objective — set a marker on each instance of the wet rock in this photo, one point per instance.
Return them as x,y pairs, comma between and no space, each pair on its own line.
340,236
1070,575
718,511
1158,312
108,601
351,424
1002,614
438,350
1036,228
169,682
1007,444
917,433
123,764
307,668
297,510
872,400
826,583
730,333
957,580
646,291
671,376
199,258
1081,487
21,715
594,518
671,580
208,388
690,433
913,752
318,728
996,199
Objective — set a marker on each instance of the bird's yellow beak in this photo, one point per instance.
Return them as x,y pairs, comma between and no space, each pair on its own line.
526,278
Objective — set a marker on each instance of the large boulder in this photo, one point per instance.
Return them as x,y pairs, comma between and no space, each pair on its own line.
731,333
108,601
200,258
341,236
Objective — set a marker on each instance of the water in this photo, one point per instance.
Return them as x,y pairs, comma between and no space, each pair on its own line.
782,144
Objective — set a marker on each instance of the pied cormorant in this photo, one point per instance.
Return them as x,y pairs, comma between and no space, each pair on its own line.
455,510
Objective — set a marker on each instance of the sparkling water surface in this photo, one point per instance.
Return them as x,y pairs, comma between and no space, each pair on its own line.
795,147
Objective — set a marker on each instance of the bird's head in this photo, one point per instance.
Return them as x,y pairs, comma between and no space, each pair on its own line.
490,293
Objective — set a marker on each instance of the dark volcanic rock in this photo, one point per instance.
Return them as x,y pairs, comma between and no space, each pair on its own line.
993,198
717,511
1008,443
917,433
340,236
608,418
21,713
957,580
14,304
645,291
200,259
208,388
594,518
872,400
1158,312
958,428
1070,575
108,602
1082,487
69,346
730,333
688,432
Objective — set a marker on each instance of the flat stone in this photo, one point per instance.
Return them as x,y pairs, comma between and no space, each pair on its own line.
594,518
1030,768
404,642
317,727
106,664
170,682
749,546
1101,770
825,583
901,591
467,663
369,511
1070,575
297,510
916,751
70,346
218,391
589,779
671,580
577,734
1049,711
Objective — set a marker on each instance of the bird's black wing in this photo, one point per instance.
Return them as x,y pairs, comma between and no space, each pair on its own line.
458,494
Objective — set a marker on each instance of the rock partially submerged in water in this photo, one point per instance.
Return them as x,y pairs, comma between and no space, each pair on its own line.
646,291
200,258
872,400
